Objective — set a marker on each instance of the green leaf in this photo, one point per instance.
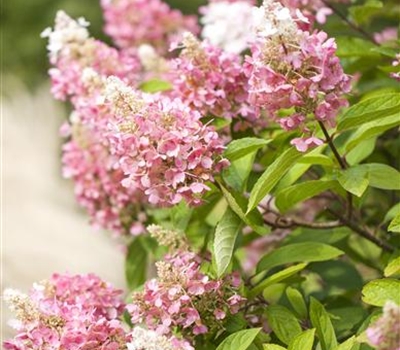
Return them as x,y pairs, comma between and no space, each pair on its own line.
289,197
224,241
155,85
378,292
348,344
362,14
303,341
327,236
321,321
297,301
298,252
272,175
392,213
372,129
371,109
242,147
320,159
361,151
276,278
240,340
393,268
237,173
284,324
135,264
355,48
394,225
237,203
273,347
354,180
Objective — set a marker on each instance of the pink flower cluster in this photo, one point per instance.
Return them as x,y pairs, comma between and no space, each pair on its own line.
294,70
67,312
396,63
163,148
211,81
384,334
183,298
131,23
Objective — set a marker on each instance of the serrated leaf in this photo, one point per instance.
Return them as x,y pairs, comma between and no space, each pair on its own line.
272,175
240,340
297,302
276,278
289,197
155,85
273,347
368,110
283,323
393,268
323,324
241,147
394,225
303,341
224,241
298,252
135,264
372,129
378,292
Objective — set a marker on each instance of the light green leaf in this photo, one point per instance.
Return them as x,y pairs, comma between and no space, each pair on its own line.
240,340
320,159
241,147
383,176
289,197
284,324
372,129
354,180
272,175
355,47
135,264
303,341
378,292
224,241
297,302
394,225
392,213
369,110
155,85
273,347
393,268
237,173
276,278
298,252
361,151
321,321
238,204
348,344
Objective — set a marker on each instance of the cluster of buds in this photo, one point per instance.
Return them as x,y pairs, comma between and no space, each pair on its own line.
67,312
295,70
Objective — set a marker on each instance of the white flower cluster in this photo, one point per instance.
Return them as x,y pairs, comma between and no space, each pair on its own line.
143,339
66,31
228,25
273,20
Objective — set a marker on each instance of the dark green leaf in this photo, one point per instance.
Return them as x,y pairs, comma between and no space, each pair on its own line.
224,241
298,252
135,264
289,197
272,175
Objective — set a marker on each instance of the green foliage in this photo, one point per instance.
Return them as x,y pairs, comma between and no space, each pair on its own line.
136,264
155,85
240,340
378,292
303,341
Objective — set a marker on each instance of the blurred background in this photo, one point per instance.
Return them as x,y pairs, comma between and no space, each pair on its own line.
43,229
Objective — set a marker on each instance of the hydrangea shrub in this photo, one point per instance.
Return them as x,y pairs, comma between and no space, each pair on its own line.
248,158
